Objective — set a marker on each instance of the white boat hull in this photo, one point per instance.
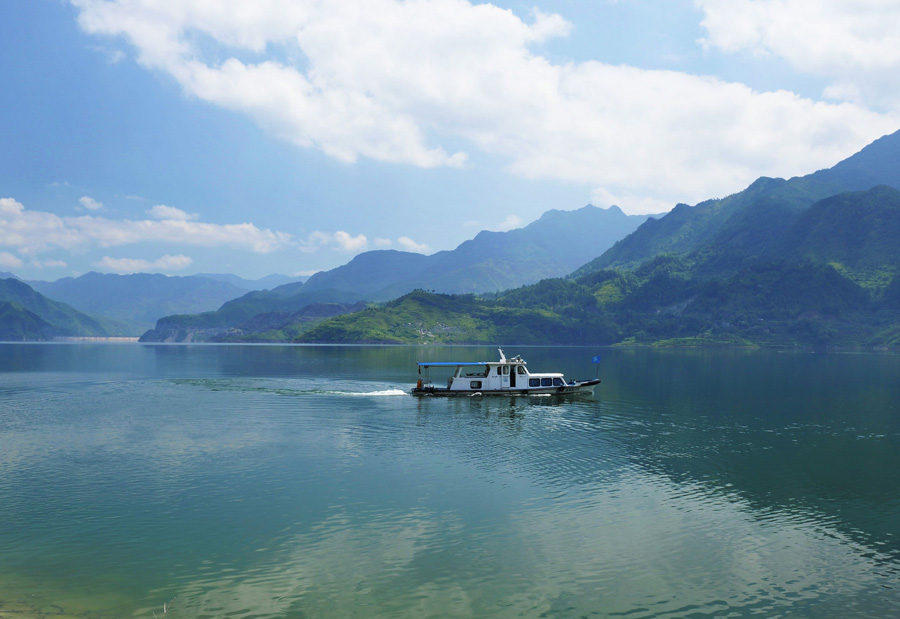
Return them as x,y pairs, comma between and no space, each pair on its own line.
583,387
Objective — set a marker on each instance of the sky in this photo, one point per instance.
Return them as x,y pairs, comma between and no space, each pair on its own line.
288,136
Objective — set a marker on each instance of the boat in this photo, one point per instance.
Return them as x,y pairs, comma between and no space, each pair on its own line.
503,377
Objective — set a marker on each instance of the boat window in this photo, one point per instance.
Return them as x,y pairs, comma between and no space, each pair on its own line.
505,370
499,371
482,373
534,382
520,370
546,382
475,384
557,382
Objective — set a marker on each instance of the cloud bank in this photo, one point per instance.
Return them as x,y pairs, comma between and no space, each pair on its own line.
400,81
161,211
855,43
345,242
90,204
133,265
32,232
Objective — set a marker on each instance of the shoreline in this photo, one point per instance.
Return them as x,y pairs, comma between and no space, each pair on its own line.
115,339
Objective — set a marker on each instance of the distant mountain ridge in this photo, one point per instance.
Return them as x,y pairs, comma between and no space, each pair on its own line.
876,164
724,234
551,246
809,261
141,298
28,315
856,232
832,279
18,324
264,283
812,261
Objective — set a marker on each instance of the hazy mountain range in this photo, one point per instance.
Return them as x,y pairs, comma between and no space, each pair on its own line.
724,234
204,306
98,304
552,246
808,260
28,315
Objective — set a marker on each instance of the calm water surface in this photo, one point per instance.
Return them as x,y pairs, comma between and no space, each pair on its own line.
276,481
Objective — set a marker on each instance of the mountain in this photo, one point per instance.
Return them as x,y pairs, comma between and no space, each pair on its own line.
773,304
18,324
265,283
141,298
550,247
24,304
876,164
724,234
369,273
775,265
809,261
283,326
856,232
444,319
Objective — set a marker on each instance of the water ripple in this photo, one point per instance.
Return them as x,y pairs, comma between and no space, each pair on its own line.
257,493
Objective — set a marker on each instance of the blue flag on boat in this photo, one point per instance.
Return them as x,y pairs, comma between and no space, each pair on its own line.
596,359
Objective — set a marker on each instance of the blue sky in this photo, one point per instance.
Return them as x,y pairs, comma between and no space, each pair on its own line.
186,136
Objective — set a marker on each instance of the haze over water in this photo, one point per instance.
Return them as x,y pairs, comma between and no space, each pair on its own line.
302,481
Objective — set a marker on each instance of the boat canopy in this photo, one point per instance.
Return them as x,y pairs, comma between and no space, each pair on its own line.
452,364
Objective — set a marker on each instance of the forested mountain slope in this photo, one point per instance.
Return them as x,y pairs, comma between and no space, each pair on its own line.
29,315
550,247
721,235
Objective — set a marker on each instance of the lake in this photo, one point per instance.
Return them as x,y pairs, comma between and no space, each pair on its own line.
302,481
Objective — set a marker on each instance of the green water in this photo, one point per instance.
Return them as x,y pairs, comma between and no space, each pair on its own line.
276,481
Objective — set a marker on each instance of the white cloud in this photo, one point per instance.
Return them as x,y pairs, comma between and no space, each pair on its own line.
9,261
389,80
133,265
511,222
49,264
339,240
306,273
36,231
10,206
161,211
410,245
343,241
90,204
638,204
854,42
350,243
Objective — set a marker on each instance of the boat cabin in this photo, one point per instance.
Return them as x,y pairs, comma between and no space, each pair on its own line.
488,376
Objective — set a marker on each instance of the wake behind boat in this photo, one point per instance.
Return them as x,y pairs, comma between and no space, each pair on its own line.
503,377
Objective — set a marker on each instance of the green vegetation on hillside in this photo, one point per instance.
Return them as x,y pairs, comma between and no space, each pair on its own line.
775,272
783,263
775,275
17,324
56,319
773,304
453,319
